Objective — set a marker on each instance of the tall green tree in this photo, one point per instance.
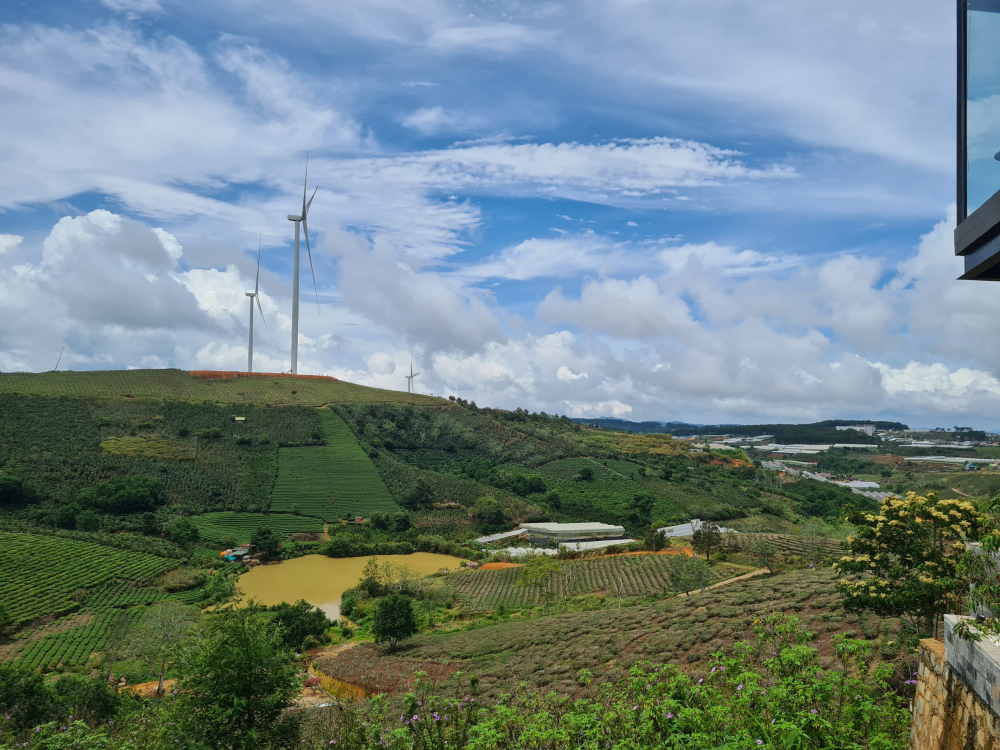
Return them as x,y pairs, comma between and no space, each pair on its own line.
299,621
706,538
394,620
161,634
236,686
905,557
265,541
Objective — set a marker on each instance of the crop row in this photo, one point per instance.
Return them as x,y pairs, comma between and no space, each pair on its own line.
303,483
236,528
74,647
39,575
637,575
121,595
358,490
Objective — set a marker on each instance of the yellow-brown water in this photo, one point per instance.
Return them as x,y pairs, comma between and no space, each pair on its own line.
321,580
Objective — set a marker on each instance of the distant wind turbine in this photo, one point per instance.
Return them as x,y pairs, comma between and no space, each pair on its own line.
301,219
411,376
59,360
254,297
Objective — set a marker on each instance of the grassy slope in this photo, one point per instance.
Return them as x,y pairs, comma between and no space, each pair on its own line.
181,385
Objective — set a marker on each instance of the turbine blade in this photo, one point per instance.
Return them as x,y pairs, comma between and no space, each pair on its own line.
256,284
305,211
304,186
305,229
256,297
414,374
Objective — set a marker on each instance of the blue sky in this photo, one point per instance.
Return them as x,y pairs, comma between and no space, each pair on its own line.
706,211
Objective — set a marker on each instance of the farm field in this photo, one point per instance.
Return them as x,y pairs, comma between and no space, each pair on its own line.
224,528
303,484
73,648
121,595
222,387
358,490
642,575
40,575
549,652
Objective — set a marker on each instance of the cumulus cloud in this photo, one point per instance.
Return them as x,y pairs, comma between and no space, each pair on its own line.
9,241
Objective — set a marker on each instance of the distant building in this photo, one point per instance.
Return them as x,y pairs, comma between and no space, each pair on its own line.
687,529
572,532
868,429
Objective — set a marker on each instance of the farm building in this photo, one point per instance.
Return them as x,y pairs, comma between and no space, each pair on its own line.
687,529
572,532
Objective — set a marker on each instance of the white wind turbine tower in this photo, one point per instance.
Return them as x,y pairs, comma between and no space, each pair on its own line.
411,376
301,219
253,296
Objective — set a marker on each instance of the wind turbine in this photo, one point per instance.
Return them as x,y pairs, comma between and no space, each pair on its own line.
253,296
411,376
301,219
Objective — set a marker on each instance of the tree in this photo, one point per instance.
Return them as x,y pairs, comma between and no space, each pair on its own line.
150,526
905,556
586,474
762,550
132,494
639,510
182,531
299,621
553,500
159,636
394,620
265,541
489,513
14,491
539,573
421,496
655,540
687,574
706,538
394,523
88,520
24,697
236,686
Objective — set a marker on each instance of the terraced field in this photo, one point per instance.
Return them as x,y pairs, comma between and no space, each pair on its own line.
224,528
358,490
73,648
643,575
121,595
39,574
303,484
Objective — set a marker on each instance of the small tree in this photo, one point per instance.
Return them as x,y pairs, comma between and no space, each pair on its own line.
640,510
160,635
265,541
905,556
586,474
706,538
299,621
236,687
539,573
421,496
762,550
394,620
687,574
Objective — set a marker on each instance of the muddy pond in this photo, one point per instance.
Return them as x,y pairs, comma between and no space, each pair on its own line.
321,580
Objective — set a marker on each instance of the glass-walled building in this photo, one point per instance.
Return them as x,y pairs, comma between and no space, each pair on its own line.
977,238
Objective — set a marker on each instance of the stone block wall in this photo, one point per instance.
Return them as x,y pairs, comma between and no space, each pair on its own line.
948,713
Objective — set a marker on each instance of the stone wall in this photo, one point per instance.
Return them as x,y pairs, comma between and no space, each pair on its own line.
949,712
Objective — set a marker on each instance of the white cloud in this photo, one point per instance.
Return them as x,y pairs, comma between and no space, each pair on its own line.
494,37
9,242
566,374
133,8
430,120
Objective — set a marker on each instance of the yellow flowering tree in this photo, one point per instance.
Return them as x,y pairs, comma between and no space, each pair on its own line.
906,556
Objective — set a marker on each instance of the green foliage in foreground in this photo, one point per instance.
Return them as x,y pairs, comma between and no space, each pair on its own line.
769,692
